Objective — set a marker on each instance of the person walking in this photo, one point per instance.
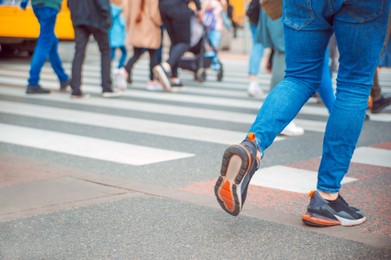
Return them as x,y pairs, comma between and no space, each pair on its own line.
307,31
252,12
91,17
117,32
46,47
144,32
176,18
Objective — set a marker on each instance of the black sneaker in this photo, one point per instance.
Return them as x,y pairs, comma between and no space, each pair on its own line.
162,76
380,104
324,213
177,86
78,94
240,161
36,90
64,85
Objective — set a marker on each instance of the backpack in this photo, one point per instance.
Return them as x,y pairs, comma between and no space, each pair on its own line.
252,11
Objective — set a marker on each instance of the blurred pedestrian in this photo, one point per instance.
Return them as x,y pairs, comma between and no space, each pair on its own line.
91,17
46,47
117,32
176,18
256,54
380,101
144,32
307,32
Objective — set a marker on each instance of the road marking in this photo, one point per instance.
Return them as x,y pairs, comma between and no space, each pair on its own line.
189,132
86,146
372,156
289,179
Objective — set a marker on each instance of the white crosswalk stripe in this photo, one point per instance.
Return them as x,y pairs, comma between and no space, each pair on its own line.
225,102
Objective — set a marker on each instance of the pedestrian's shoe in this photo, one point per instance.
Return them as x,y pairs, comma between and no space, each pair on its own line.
119,78
64,85
292,130
36,90
154,85
78,94
109,93
380,104
240,161
324,213
254,90
177,85
162,76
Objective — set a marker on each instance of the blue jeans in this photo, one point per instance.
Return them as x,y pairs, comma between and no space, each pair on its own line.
325,89
256,52
47,46
122,59
360,28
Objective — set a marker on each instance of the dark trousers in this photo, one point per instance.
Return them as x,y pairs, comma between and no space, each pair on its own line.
176,19
82,34
137,52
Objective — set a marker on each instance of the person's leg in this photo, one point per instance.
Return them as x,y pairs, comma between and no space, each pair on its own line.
56,62
325,90
47,18
112,53
359,56
81,40
255,55
278,71
152,62
123,56
102,38
137,52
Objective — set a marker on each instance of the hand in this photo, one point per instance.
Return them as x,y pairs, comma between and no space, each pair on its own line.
23,5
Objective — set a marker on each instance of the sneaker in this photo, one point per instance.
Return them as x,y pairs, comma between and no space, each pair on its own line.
324,213
292,130
36,90
162,76
239,164
177,86
78,94
64,85
111,94
154,86
380,104
119,79
254,89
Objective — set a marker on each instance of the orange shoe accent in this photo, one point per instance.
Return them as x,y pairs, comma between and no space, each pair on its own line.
226,195
311,193
251,136
320,221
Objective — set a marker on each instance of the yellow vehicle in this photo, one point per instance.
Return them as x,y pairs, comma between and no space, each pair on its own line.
19,29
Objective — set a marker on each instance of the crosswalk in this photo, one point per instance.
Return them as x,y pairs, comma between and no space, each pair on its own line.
211,113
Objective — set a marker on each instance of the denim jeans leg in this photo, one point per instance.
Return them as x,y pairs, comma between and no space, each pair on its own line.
326,91
359,56
300,83
256,52
47,18
56,62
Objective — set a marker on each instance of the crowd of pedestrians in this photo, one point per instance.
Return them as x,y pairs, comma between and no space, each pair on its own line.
300,65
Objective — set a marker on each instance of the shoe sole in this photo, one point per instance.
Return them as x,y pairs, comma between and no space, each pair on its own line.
162,78
317,221
228,188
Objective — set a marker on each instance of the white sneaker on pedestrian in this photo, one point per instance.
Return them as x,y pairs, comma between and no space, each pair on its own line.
154,85
292,130
119,79
111,94
254,90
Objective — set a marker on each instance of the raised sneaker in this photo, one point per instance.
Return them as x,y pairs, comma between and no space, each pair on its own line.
254,90
380,104
240,161
324,213
162,76
64,85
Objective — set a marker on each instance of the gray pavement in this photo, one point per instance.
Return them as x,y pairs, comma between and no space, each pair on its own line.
60,205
